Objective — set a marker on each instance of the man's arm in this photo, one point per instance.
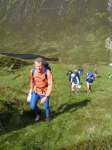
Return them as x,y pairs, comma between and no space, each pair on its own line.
31,81
50,83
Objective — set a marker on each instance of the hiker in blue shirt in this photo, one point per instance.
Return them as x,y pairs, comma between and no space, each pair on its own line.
81,71
89,81
75,81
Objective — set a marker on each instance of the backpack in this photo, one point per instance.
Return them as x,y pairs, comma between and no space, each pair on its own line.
47,65
90,77
78,75
73,77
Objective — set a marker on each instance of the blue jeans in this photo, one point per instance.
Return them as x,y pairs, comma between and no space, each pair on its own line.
34,100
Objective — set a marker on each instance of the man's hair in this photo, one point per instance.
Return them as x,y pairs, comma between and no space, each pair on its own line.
40,59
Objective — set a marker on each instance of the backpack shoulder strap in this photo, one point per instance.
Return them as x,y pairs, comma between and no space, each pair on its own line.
33,71
45,71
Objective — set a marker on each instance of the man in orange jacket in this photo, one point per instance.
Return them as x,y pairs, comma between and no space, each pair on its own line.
41,82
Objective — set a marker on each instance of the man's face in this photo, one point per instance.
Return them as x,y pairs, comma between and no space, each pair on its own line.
38,65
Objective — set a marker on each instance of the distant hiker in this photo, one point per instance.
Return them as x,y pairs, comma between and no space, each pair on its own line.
89,81
81,71
109,75
40,87
96,74
75,81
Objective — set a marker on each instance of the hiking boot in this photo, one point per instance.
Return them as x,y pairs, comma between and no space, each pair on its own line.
37,118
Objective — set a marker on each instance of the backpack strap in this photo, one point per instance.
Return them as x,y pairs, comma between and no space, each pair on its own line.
45,71
33,71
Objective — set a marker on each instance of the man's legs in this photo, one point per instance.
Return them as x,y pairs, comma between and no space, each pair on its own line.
72,87
89,87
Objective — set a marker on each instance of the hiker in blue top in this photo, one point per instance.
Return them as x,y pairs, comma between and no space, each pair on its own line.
75,81
81,71
89,81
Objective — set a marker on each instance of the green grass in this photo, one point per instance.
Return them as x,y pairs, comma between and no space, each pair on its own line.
79,121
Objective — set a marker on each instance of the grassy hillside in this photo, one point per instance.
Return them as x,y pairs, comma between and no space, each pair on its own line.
70,29
79,121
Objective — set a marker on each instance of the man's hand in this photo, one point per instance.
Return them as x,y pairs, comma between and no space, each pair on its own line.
43,100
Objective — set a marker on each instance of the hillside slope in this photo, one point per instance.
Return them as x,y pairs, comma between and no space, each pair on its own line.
68,29
79,121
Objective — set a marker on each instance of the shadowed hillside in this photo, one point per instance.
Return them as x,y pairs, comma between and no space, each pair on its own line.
11,63
66,28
